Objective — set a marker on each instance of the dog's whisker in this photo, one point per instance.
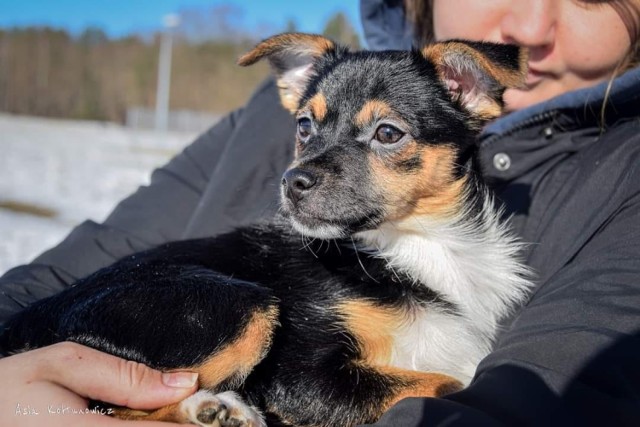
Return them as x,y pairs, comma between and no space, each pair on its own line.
335,242
360,261
306,242
328,246
310,249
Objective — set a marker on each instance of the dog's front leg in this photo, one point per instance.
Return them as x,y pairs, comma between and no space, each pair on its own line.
417,384
352,393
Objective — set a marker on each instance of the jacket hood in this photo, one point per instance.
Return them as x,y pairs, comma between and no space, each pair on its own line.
582,107
385,26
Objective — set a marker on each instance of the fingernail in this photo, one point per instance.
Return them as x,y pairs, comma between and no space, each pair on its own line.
179,379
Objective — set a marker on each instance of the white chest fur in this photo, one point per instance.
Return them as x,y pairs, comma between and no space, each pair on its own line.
439,341
472,263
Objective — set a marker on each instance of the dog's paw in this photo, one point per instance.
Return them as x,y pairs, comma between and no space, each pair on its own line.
227,409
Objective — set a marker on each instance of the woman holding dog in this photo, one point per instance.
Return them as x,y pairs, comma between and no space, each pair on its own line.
564,162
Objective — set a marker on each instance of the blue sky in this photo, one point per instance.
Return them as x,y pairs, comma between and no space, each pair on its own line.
121,17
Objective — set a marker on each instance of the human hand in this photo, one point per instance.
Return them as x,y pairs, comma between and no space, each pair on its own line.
45,386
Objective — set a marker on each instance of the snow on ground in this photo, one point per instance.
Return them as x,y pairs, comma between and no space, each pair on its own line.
63,172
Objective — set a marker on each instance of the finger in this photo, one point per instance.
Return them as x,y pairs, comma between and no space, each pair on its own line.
100,376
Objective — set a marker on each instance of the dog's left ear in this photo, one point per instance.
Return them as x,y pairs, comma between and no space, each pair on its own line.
477,73
292,57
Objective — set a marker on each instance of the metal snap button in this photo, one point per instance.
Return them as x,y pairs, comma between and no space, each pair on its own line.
501,161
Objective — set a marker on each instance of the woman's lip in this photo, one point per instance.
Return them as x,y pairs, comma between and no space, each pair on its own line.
535,76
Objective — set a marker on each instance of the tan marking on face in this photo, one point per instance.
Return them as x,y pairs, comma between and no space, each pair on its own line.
318,106
408,152
373,327
432,190
445,203
372,110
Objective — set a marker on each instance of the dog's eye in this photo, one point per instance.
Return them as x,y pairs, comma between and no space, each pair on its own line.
304,128
387,134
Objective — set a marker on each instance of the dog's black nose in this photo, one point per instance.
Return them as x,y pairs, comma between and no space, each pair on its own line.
297,182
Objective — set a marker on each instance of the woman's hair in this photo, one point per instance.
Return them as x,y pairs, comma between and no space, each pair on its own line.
629,11
420,14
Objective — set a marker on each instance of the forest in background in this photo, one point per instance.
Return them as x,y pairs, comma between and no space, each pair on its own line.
49,72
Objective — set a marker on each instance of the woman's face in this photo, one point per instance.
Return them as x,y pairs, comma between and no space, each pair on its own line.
572,43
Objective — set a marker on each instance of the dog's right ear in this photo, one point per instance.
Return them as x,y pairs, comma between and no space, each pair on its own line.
292,57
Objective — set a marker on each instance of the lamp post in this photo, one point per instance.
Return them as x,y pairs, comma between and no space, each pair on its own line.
164,72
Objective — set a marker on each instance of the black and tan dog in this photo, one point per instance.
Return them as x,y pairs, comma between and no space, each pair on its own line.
386,279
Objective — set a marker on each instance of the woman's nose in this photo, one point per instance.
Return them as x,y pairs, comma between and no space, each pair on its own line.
530,23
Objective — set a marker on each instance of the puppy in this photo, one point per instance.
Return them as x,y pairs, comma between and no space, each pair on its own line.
386,277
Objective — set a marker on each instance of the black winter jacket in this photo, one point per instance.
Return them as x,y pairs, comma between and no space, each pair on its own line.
570,356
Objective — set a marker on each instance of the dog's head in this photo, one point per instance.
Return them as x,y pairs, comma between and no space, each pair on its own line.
381,135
